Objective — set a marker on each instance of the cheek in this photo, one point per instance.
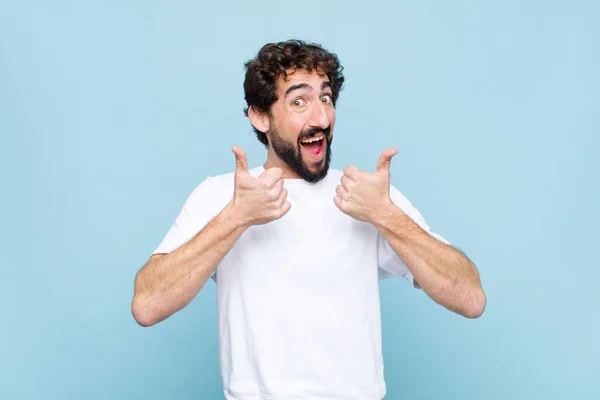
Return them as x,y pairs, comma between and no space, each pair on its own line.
296,126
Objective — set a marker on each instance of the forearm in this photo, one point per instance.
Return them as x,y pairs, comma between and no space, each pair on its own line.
443,272
168,283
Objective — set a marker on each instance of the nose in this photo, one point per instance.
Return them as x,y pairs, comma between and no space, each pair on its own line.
319,118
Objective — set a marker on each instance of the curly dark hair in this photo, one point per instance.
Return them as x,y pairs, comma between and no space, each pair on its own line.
283,58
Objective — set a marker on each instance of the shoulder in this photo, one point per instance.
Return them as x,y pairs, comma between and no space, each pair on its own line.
227,178
398,197
220,186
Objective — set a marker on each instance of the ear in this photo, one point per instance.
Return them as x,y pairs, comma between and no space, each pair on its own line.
260,120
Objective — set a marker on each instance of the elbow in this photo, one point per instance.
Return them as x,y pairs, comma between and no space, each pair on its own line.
476,306
142,313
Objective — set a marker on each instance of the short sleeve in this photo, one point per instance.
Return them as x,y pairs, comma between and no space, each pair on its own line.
389,263
198,210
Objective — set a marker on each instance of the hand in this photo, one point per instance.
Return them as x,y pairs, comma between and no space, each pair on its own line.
365,196
260,200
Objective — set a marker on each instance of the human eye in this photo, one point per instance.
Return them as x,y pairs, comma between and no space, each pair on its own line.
326,99
299,102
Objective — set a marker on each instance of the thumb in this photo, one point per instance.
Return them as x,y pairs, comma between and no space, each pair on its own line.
383,165
241,163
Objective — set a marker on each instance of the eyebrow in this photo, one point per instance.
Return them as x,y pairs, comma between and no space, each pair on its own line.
297,87
325,84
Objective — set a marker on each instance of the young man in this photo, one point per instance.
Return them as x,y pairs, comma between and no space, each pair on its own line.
297,249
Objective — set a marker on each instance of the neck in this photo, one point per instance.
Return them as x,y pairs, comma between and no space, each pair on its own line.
274,161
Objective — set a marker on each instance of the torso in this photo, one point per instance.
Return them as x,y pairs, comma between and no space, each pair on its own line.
298,302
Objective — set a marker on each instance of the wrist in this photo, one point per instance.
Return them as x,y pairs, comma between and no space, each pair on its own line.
390,215
234,214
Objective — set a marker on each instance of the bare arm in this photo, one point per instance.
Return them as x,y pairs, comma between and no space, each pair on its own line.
443,272
168,282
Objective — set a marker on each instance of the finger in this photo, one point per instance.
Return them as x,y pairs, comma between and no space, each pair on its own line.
275,191
338,202
383,165
285,208
241,163
271,176
341,192
346,182
282,198
351,172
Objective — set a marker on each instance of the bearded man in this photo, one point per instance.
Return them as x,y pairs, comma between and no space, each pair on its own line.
297,249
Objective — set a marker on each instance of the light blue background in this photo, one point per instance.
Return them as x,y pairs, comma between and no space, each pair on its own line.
112,112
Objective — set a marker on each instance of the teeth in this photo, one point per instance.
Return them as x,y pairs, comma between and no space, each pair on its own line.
311,140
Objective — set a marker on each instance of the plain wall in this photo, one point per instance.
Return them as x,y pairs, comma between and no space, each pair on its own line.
112,112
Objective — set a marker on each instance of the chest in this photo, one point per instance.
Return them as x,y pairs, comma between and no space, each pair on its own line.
314,239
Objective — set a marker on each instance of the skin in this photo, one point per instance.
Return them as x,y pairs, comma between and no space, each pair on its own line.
445,274
168,282
309,107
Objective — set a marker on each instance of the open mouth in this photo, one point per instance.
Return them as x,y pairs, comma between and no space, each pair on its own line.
314,146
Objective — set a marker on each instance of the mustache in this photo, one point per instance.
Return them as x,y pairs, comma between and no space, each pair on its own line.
313,131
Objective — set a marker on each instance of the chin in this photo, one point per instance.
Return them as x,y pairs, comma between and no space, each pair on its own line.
316,172
316,166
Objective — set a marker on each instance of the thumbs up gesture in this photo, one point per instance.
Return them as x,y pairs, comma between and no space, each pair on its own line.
258,200
365,195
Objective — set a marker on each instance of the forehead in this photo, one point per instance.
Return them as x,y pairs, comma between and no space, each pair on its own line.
313,78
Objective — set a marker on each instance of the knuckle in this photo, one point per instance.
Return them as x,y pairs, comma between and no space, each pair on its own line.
273,194
350,170
265,183
275,172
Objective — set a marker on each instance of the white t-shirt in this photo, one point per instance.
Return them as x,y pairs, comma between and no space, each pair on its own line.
298,298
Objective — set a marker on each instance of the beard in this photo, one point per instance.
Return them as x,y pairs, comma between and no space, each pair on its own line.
291,153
